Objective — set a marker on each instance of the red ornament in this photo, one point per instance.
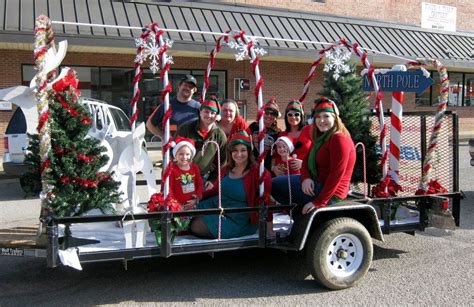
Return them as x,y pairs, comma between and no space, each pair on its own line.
86,120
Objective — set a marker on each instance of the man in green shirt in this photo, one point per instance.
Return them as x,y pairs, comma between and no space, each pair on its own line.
202,130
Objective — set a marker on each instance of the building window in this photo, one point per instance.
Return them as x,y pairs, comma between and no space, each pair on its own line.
114,85
461,91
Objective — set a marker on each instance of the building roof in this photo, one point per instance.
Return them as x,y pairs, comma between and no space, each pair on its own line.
454,49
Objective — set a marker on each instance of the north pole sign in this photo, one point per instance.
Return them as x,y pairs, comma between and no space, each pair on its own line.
399,81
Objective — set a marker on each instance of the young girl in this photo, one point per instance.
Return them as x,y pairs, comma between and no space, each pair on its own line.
185,182
281,157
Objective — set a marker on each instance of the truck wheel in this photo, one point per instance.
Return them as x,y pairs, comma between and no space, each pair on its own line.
339,253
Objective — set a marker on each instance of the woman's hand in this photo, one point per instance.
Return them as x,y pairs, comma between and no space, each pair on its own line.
208,185
295,164
190,204
308,208
308,187
278,171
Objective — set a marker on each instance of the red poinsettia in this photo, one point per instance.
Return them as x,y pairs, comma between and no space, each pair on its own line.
387,188
434,187
158,203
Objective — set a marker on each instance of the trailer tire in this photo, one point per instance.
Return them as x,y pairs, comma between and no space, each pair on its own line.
339,253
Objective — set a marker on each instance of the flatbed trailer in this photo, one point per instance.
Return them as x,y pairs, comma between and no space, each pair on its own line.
336,239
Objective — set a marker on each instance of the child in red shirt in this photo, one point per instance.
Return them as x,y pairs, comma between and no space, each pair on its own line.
281,156
185,182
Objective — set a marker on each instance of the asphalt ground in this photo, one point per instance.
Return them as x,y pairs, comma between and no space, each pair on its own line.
434,267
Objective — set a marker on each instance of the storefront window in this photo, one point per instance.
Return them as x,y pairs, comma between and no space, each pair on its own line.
469,90
455,89
114,85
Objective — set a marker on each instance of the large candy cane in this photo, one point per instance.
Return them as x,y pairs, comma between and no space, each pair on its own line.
151,44
219,195
248,48
378,103
396,130
441,109
44,39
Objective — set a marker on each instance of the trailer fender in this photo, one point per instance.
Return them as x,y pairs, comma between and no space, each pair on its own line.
363,213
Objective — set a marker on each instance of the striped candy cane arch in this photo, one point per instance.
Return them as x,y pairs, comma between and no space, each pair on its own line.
246,47
44,39
151,44
433,186
354,48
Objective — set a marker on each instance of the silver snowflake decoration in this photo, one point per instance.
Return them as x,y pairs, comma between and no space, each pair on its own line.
242,50
151,50
336,61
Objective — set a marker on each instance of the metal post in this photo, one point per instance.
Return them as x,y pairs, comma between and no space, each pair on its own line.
53,246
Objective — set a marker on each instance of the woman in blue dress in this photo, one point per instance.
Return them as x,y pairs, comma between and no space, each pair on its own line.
239,185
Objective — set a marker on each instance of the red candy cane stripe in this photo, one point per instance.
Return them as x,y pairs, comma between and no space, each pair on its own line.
424,186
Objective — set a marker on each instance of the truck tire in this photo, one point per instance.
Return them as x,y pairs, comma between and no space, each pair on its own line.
339,253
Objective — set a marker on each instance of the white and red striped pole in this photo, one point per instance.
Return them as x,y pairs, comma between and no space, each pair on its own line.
396,130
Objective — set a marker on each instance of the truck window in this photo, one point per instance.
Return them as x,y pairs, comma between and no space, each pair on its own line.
17,124
121,120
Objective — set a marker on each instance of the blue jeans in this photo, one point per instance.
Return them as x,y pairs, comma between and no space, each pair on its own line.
280,190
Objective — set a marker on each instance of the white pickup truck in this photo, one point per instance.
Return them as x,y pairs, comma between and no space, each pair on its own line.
25,120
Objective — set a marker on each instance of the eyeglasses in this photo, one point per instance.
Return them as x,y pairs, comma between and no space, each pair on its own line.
293,114
272,113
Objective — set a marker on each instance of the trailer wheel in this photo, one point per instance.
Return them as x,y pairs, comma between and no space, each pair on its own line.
339,253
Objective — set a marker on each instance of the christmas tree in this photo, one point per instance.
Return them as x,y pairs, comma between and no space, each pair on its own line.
75,159
344,87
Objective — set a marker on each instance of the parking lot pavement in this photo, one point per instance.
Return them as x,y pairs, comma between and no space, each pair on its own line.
18,210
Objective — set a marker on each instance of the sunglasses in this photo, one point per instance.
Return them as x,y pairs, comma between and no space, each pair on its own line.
272,113
293,114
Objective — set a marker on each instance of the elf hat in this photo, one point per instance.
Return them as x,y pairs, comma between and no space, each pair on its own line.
213,105
285,140
180,142
325,105
294,105
240,137
272,106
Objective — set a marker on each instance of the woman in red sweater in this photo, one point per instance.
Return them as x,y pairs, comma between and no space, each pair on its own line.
327,171
239,188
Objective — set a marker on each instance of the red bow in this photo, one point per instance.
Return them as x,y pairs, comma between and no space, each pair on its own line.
64,83
434,187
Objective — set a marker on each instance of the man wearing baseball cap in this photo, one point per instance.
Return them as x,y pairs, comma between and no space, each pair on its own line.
183,106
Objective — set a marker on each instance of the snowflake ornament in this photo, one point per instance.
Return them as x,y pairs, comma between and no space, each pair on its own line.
336,61
242,50
151,50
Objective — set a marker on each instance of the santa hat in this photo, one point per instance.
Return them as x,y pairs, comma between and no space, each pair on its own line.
294,105
272,106
285,140
325,105
240,137
180,142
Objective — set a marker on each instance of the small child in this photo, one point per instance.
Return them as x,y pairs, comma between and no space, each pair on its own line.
281,158
185,182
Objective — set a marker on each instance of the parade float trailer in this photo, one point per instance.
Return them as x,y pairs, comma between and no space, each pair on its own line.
337,239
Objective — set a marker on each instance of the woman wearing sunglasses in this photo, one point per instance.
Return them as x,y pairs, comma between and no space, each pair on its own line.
294,123
327,169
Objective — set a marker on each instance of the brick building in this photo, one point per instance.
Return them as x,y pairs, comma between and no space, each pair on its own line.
104,57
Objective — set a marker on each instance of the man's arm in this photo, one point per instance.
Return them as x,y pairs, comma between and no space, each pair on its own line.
155,129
